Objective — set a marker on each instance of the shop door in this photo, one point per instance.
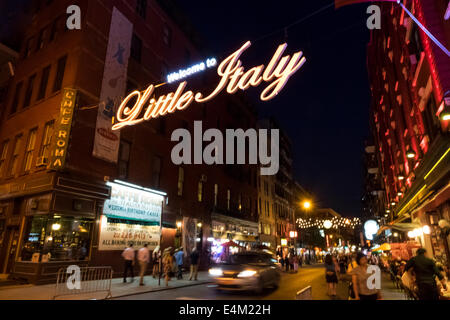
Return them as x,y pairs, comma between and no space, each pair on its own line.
11,241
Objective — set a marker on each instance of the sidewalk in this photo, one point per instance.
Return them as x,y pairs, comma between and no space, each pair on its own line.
388,289
118,289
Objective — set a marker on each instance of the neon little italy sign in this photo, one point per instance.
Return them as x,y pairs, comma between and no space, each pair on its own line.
233,77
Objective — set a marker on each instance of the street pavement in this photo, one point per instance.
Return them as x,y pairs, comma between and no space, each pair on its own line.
118,289
291,283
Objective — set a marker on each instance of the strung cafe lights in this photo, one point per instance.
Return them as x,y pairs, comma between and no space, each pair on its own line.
335,222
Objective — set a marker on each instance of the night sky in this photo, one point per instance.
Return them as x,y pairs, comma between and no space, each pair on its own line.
324,106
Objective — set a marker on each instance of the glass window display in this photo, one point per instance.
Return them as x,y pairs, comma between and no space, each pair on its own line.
56,238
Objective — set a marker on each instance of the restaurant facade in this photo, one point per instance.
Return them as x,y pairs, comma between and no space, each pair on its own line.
410,112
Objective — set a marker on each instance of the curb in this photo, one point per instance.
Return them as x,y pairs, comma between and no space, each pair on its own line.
159,289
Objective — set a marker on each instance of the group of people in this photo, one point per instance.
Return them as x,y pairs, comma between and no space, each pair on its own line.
291,262
172,262
353,269
421,275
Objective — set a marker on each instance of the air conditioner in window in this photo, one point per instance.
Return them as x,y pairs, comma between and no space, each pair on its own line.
203,178
41,161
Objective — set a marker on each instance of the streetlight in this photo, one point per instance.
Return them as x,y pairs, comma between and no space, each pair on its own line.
307,204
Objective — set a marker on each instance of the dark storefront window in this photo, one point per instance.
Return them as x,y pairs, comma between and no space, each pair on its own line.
61,238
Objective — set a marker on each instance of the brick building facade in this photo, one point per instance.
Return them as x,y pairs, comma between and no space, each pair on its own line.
410,85
61,211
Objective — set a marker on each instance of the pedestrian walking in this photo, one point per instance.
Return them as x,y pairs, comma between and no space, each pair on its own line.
167,260
296,264
286,261
179,261
128,256
360,278
425,270
143,258
155,258
330,275
194,264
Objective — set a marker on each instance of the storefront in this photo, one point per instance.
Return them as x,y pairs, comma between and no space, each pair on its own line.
242,234
131,216
47,223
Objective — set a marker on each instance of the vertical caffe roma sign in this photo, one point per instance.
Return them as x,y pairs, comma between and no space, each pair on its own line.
62,129
138,107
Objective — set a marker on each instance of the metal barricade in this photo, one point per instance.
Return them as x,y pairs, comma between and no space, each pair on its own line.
83,280
304,294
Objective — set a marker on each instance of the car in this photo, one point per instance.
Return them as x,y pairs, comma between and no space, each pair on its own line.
247,271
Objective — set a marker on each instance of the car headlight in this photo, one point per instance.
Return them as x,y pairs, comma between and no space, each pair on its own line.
216,272
246,273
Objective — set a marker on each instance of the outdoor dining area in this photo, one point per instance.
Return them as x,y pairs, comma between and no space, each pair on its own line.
393,260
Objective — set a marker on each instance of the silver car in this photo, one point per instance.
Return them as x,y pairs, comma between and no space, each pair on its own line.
247,271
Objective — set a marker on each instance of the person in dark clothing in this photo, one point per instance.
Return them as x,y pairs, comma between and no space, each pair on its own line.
194,264
426,271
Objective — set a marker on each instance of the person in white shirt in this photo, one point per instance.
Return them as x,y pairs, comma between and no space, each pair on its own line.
143,258
128,255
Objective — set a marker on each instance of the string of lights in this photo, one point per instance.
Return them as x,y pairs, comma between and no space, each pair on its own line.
333,223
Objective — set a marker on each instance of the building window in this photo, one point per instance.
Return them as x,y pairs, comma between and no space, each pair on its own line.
41,39
60,74
28,48
15,156
29,91
200,191
15,103
216,193
63,238
156,171
141,8
54,30
31,143
180,180
124,159
44,82
46,140
167,35
3,154
136,48
228,199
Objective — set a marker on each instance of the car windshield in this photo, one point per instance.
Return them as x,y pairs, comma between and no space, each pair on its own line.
247,258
